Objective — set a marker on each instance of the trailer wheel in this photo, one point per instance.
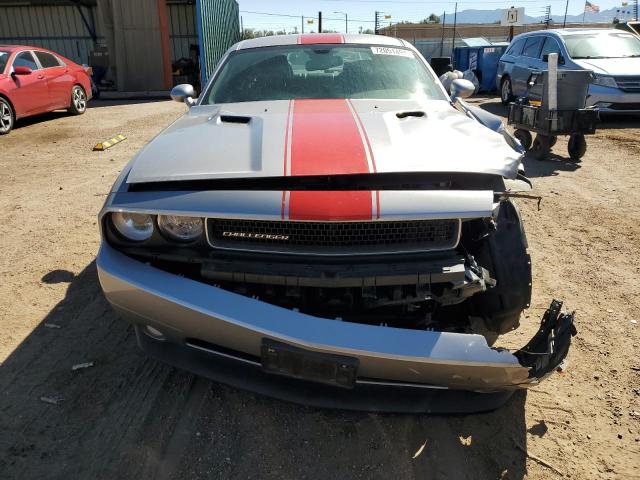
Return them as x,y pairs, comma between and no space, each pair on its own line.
524,137
541,147
577,146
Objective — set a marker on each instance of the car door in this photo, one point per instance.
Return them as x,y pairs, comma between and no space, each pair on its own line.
527,63
550,46
508,60
59,80
29,93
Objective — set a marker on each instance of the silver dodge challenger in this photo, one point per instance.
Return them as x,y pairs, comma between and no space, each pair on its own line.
329,226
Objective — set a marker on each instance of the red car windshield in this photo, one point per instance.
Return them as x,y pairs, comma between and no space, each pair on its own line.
322,71
4,58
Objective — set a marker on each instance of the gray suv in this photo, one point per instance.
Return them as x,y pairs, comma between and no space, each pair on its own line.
612,55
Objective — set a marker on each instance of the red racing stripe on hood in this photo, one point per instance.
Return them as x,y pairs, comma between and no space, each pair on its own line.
325,140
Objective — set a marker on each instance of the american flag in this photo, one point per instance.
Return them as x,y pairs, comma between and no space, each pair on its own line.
591,7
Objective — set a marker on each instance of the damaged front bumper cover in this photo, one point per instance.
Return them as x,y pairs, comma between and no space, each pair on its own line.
289,355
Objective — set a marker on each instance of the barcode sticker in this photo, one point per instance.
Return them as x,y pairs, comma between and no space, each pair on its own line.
398,52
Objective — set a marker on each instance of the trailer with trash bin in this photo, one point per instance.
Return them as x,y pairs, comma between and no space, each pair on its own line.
554,105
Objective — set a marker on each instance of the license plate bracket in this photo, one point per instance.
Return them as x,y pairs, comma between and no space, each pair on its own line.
289,361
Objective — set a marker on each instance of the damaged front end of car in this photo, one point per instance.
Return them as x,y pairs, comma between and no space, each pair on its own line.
334,313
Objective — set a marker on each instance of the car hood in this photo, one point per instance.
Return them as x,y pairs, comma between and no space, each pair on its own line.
322,137
611,66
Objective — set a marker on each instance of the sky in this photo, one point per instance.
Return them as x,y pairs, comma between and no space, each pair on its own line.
360,13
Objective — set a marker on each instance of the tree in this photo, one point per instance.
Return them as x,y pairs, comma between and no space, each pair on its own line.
433,18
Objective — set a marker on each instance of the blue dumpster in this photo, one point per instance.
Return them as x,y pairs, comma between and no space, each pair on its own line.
483,60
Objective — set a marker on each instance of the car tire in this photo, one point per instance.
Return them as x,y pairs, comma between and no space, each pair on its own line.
577,146
7,117
504,253
541,147
506,91
524,137
78,101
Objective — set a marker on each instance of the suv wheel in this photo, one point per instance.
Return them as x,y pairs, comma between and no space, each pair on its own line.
6,117
78,101
506,92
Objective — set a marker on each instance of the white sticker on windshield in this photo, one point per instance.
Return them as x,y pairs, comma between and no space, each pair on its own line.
398,52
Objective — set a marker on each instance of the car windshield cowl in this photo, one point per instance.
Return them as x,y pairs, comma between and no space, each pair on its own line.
292,72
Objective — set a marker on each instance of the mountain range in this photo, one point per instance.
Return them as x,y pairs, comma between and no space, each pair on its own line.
492,16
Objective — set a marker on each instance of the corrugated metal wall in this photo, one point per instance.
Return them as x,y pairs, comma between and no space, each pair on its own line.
182,29
218,29
58,28
135,43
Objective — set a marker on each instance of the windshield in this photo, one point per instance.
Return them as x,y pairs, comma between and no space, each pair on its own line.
603,45
322,71
4,57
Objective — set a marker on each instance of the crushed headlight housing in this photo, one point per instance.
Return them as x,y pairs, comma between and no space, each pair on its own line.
510,139
133,226
605,81
181,229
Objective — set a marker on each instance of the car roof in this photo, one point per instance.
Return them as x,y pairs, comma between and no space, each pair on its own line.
564,32
318,38
580,31
15,48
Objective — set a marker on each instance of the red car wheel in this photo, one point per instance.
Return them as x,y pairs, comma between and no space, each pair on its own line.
7,118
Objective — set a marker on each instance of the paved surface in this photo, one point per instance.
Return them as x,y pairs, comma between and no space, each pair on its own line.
128,417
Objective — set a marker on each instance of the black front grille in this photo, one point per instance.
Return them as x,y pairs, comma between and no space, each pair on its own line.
629,83
333,237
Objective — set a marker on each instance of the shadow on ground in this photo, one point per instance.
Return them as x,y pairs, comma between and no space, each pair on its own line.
38,119
550,166
129,417
100,102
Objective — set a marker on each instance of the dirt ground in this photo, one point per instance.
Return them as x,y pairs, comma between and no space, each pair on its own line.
129,417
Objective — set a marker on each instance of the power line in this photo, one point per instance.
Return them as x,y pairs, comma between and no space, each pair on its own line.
306,16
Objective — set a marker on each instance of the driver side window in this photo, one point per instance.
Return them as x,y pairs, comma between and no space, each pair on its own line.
550,46
25,59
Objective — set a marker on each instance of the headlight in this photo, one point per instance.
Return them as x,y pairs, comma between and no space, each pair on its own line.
605,81
182,229
133,226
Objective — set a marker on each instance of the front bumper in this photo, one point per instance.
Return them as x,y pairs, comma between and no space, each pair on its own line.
198,320
610,100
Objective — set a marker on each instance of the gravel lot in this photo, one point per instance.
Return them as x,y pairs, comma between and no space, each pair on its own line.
128,417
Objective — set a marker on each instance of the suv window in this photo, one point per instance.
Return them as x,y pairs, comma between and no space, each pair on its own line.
550,46
532,47
516,48
25,59
47,60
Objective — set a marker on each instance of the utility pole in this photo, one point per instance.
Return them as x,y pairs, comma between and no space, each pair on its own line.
566,8
346,21
241,27
375,28
444,20
547,15
319,22
302,24
455,22
635,10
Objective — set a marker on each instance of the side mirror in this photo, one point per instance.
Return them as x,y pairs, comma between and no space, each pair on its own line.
184,93
461,88
22,71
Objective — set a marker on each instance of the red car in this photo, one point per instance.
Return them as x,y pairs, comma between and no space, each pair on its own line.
34,80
